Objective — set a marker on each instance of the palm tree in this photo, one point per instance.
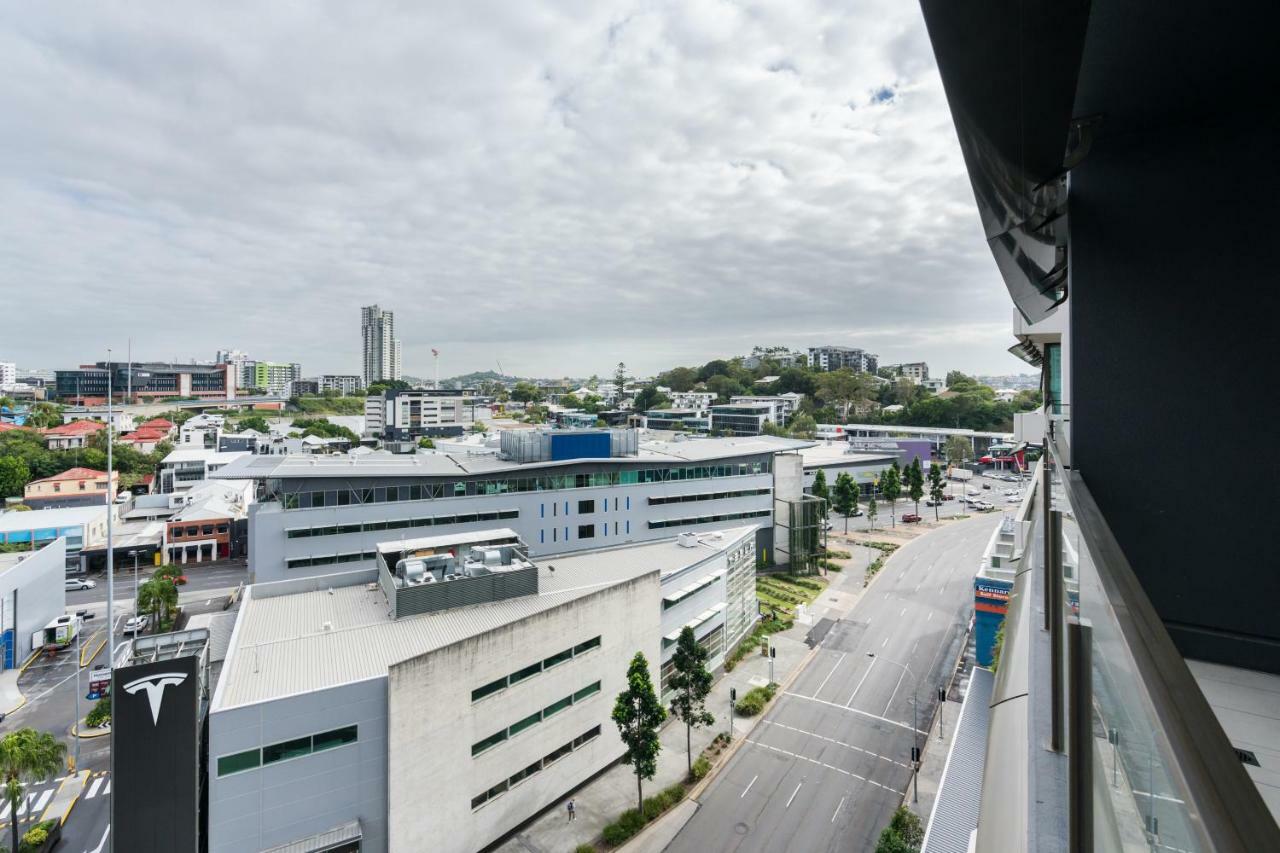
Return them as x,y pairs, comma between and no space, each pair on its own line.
27,756
158,596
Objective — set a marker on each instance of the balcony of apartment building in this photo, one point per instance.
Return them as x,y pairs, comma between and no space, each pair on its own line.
1101,735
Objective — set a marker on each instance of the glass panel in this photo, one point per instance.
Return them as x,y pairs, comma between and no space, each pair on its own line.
586,737
491,740
589,690
288,749
337,737
525,773
527,672
558,754
556,707
488,689
531,720
557,658
593,643
239,762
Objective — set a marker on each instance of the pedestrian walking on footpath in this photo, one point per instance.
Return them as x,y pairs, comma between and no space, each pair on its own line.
573,815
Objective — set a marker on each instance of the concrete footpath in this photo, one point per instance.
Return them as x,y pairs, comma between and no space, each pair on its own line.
66,797
605,798
11,698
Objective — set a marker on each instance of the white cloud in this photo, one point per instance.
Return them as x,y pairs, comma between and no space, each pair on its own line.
556,186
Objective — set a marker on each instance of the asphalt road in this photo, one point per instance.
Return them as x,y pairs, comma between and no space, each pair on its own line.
828,764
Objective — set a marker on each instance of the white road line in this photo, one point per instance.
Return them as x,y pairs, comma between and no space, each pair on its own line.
106,789
793,796
838,808
829,674
903,613
208,602
43,801
1158,796
837,743
858,711
895,692
885,643
819,763
103,842
93,789
859,687
749,784
930,616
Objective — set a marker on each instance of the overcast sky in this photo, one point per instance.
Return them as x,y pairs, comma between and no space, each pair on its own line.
554,186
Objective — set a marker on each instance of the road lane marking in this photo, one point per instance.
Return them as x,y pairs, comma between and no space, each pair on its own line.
930,616
103,842
93,789
903,613
838,808
838,743
829,674
749,784
106,789
43,801
895,691
820,764
864,678
857,711
885,643
793,796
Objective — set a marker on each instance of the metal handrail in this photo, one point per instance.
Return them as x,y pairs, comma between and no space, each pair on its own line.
1226,802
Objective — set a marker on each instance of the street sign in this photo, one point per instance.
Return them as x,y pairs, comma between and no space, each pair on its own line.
93,696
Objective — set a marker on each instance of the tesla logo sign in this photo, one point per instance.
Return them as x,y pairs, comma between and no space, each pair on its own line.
154,686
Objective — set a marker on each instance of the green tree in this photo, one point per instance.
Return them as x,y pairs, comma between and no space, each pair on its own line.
570,401
891,488
845,497
620,380
955,377
679,378
44,416
168,570
957,450
638,714
526,392
426,443
803,425
27,756
936,493
158,596
820,489
872,508
904,834
649,397
592,403
842,388
257,423
14,476
915,482
691,682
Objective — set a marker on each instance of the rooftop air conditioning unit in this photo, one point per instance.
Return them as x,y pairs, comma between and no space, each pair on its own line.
687,540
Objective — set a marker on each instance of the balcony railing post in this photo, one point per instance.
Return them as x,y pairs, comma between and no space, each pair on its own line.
1057,629
1080,758
1046,504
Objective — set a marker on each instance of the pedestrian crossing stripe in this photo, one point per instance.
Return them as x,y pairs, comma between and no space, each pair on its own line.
32,801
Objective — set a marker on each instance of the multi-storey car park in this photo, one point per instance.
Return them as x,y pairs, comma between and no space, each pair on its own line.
587,489
444,696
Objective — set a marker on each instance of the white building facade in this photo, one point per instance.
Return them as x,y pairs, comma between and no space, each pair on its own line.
381,346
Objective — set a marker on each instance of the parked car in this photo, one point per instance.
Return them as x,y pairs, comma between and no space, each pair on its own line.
986,485
983,506
136,624
932,502
910,518
948,497
1013,499
80,583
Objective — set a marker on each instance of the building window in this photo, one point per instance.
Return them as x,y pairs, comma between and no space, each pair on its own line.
543,763
586,507
177,532
239,762
534,718
286,750
333,739
586,531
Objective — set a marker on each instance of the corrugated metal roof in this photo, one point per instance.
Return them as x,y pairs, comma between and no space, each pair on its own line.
219,626
301,642
322,841
956,809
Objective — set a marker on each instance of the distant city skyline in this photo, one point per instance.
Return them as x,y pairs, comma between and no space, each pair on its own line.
657,187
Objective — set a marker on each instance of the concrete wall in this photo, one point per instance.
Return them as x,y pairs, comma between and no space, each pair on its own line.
270,550
432,722
32,594
293,799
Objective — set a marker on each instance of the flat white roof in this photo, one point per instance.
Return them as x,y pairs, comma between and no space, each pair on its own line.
284,645
60,517
198,454
837,453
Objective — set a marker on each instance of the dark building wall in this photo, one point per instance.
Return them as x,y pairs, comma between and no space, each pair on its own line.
1174,307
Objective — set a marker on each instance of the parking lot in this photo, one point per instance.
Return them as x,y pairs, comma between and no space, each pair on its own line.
961,497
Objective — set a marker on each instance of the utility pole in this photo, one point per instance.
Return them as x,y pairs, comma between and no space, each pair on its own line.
111,440
76,729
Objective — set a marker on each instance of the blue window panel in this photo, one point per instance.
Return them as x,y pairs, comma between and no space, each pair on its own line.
566,509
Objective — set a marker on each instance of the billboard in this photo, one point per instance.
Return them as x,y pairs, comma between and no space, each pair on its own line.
155,756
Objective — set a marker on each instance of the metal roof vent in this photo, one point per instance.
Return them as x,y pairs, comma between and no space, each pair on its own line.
327,626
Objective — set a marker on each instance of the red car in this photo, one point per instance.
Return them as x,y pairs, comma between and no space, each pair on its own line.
909,518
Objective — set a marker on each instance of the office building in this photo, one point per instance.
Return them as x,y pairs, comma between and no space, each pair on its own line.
73,487
406,415
272,378
782,359
381,346
146,381
916,371
697,400
561,491
8,375
83,527
241,365
742,418
784,405
1114,151
344,384
303,387
200,530
682,420
190,465
32,594
391,710
836,358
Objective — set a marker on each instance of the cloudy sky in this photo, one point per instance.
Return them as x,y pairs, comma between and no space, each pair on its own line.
556,186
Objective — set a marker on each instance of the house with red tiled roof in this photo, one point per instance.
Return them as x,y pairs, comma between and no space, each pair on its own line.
73,487
144,440
167,426
71,436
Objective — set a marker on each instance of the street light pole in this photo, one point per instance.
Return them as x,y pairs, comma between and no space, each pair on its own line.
915,725
76,727
134,554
